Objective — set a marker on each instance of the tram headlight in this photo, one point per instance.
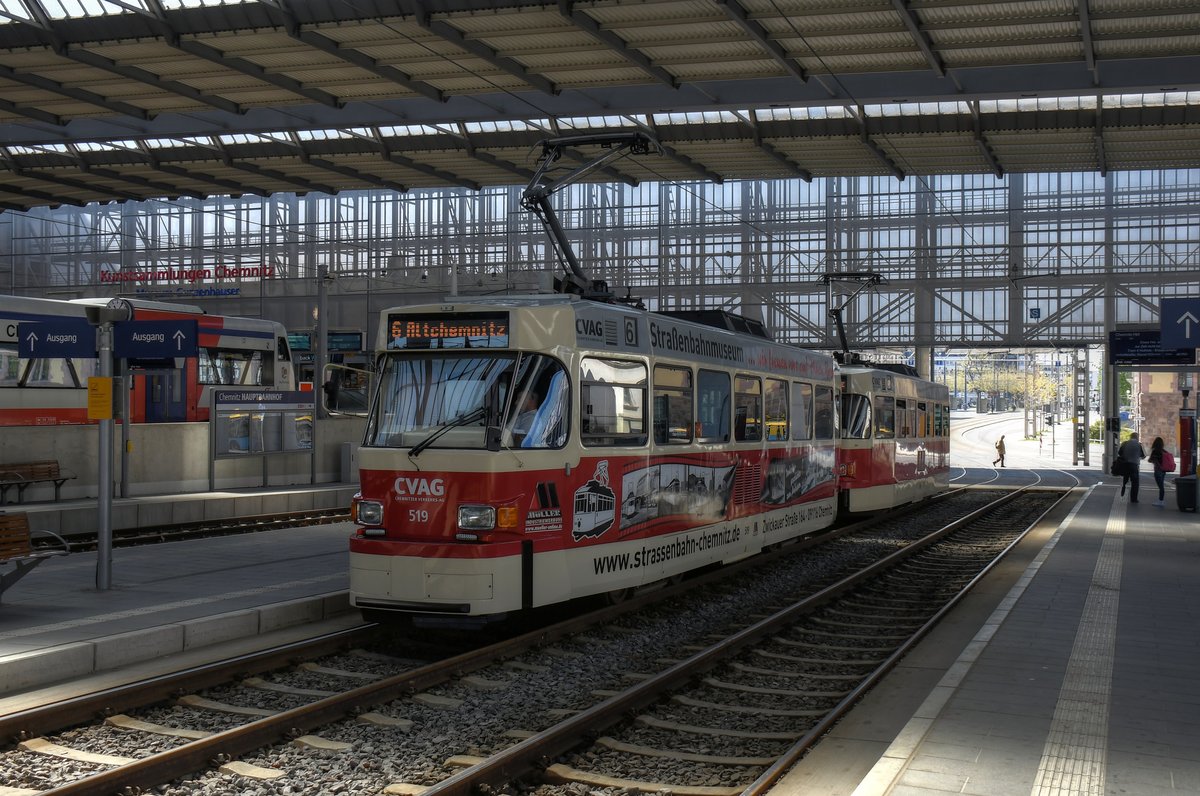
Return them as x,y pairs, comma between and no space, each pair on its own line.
476,518
368,512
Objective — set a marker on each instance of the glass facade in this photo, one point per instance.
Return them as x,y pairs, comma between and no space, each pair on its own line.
965,260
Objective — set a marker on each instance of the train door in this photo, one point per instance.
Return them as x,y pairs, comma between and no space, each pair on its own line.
166,398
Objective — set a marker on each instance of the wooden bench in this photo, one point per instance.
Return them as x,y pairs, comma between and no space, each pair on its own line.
23,475
16,548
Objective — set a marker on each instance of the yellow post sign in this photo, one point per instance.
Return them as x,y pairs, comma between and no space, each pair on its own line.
100,398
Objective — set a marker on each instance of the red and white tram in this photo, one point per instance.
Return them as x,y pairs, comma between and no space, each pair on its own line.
895,438
240,352
524,451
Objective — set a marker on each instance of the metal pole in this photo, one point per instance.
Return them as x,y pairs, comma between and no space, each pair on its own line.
104,478
123,383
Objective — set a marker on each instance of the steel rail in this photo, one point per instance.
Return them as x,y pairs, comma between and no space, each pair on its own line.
772,775
537,750
32,722
196,755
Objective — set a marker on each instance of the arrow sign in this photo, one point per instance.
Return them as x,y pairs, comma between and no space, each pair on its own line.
155,339
65,338
1180,320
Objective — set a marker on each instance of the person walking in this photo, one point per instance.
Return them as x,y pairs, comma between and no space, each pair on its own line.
1131,452
1160,474
999,452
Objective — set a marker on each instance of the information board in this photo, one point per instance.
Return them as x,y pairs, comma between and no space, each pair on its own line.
1144,347
253,422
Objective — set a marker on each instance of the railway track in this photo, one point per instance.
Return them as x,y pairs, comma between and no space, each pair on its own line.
797,642
128,537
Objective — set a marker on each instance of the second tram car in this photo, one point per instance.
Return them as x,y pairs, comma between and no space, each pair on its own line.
895,438
524,451
238,352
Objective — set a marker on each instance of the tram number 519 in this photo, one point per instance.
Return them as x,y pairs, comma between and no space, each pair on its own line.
418,515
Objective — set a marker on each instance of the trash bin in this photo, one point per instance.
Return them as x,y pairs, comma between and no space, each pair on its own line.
1185,492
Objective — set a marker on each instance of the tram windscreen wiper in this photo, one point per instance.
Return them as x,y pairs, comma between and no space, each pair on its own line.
461,420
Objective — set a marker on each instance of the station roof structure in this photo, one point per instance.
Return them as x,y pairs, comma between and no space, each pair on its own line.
104,100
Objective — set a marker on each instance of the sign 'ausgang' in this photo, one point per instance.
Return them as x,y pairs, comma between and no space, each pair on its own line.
155,339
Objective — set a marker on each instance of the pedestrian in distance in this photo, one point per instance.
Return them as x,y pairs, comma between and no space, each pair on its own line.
999,452
1131,453
1163,463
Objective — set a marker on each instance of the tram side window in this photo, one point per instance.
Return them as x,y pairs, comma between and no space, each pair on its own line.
856,416
802,410
825,426
673,419
923,428
52,373
777,409
903,422
713,399
240,368
613,402
748,405
885,417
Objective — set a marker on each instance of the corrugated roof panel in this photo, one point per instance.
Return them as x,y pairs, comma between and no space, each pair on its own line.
1158,46
1017,34
839,64
982,15
1016,54
616,15
506,20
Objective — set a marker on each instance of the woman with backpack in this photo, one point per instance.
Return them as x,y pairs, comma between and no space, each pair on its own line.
1163,463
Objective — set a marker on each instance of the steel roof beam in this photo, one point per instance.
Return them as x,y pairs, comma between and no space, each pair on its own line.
981,139
1098,137
920,37
259,171
1089,47
35,114
149,78
83,95
874,148
458,38
487,157
388,153
179,171
55,179
351,56
741,16
618,45
354,174
700,169
33,193
751,122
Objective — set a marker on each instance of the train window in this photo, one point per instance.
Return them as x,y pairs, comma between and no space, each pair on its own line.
612,400
777,409
713,401
234,366
825,411
54,373
856,416
903,420
922,420
673,418
802,410
454,396
885,417
538,413
747,409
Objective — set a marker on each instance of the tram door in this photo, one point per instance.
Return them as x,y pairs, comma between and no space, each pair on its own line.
166,398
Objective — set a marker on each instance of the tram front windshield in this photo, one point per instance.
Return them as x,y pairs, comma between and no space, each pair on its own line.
461,396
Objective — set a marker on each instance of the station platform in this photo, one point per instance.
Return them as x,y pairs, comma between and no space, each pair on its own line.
1070,669
178,597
